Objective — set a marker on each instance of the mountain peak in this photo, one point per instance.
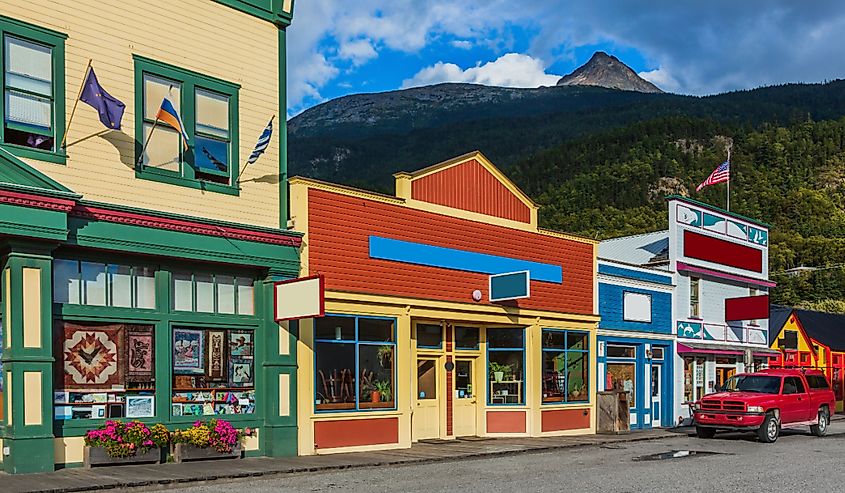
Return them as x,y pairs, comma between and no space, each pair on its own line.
605,70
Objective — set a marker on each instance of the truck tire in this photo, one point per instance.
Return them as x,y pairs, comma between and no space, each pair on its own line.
820,428
769,430
705,433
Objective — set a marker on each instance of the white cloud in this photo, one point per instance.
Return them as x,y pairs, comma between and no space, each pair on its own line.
462,44
511,70
358,51
662,79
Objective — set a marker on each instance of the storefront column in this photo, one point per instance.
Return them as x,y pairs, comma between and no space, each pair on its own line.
277,378
27,358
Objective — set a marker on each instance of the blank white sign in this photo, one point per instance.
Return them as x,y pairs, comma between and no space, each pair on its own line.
637,307
300,298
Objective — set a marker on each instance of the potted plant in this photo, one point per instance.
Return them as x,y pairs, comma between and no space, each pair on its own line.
498,371
578,391
116,442
381,388
385,355
212,439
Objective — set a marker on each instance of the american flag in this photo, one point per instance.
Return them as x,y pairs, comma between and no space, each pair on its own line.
719,175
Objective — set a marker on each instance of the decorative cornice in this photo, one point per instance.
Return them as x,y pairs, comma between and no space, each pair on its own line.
36,201
184,226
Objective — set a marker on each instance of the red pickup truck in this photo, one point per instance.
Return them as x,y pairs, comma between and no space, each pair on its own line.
766,401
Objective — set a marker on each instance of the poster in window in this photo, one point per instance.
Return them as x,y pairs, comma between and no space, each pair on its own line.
91,356
188,351
216,356
240,344
240,372
140,406
140,354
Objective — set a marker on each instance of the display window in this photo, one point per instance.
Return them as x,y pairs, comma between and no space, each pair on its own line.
623,376
213,371
354,359
506,360
566,361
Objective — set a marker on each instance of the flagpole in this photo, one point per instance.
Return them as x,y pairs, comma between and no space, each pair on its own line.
238,180
75,103
729,178
155,124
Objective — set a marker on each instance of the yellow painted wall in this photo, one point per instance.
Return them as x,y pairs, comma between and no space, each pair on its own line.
68,450
199,35
803,343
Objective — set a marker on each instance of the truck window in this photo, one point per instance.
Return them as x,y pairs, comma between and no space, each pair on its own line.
817,382
793,385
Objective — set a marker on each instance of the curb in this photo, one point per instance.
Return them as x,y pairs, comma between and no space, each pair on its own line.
166,483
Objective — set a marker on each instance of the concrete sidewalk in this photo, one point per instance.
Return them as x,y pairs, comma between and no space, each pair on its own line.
168,475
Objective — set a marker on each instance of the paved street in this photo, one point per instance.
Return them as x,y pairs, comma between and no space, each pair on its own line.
797,462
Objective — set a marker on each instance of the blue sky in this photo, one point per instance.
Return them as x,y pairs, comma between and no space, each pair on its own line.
338,47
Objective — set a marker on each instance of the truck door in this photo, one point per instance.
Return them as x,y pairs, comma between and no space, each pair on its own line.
796,401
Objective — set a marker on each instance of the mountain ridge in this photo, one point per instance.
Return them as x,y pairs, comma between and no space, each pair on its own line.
607,71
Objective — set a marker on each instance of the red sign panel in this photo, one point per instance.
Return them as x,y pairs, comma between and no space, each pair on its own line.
747,308
722,252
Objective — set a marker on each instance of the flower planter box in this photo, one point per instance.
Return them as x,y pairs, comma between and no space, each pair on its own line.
184,452
97,456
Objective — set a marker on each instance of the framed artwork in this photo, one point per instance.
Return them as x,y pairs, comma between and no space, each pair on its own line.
240,344
216,356
140,406
60,397
176,410
240,373
115,410
188,346
64,412
98,412
140,354
92,356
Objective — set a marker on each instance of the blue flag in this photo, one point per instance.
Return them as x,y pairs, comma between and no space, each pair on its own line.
110,108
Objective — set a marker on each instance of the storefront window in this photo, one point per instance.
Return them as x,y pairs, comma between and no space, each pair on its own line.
623,376
694,296
566,361
506,356
466,338
213,372
429,336
213,293
104,371
354,361
99,284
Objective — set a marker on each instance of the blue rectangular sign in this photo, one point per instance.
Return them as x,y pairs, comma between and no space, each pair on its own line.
510,286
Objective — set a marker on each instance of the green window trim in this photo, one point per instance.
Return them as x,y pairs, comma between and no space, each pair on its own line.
56,41
190,81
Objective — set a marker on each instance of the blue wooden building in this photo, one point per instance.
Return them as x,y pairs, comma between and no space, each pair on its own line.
636,343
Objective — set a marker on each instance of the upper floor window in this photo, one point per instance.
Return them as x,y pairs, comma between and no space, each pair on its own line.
753,292
208,107
33,90
98,284
213,293
694,297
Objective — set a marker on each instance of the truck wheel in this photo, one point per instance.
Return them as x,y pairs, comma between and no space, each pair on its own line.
705,432
820,428
769,430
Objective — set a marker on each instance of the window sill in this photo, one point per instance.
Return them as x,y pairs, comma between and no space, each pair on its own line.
36,154
355,413
174,179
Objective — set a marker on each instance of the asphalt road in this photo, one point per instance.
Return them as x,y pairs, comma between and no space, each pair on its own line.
796,462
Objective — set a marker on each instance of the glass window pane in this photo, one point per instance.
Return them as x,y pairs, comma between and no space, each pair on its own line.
164,148
145,287
120,285
615,351
93,284
554,376
463,379
246,305
505,338
506,377
426,379
429,336
375,329
212,113
657,353
622,376
28,109
334,328
29,66
155,88
335,386
554,339
66,281
577,341
183,292
577,365
225,294
211,154
376,367
466,337
205,292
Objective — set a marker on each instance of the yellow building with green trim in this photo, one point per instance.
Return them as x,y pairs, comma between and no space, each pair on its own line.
138,263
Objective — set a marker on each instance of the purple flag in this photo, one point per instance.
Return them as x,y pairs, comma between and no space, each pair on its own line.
110,108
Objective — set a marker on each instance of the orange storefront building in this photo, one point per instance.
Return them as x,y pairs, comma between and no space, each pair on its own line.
412,347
